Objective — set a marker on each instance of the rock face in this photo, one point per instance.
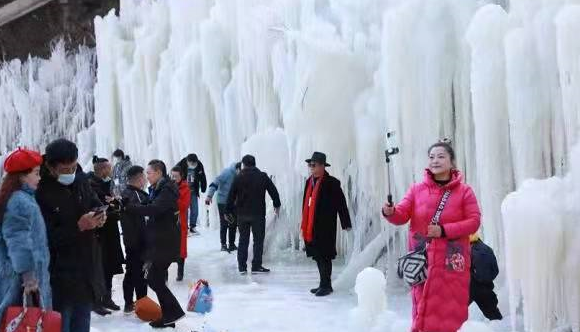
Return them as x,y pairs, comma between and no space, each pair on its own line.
34,33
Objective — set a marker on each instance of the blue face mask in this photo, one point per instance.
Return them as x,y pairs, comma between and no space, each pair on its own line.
66,179
107,179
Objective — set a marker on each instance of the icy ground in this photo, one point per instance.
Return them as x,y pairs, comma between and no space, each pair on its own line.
278,302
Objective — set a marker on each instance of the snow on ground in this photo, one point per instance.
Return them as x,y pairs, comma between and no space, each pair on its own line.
278,302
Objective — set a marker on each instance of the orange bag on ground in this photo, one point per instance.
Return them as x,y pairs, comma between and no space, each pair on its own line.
147,310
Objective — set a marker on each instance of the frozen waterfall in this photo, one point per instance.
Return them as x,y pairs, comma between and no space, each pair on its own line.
283,78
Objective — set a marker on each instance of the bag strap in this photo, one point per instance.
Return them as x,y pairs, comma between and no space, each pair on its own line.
15,323
440,207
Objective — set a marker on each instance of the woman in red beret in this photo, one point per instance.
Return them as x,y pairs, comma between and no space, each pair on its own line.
24,254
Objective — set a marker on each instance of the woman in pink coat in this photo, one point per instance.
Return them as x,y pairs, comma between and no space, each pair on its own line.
440,304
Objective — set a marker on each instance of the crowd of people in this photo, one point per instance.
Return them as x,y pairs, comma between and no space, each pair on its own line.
60,239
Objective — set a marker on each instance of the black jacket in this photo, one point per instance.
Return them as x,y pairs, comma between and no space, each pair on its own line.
108,235
484,266
133,224
163,229
72,252
248,192
329,204
198,180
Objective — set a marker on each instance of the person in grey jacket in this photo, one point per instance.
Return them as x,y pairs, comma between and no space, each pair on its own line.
24,253
222,185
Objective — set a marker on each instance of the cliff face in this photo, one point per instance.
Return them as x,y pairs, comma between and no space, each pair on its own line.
34,32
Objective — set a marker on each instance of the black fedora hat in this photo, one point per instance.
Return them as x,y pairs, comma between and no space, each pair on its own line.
318,157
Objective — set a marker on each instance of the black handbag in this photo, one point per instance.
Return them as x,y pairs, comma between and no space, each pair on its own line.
412,267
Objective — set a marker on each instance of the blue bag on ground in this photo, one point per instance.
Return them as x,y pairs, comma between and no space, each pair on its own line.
200,299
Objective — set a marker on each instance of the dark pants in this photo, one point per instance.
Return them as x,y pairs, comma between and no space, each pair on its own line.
109,285
180,267
258,229
325,271
225,226
482,293
76,318
134,280
170,308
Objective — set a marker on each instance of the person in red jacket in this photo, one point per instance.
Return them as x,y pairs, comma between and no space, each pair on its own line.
183,204
441,303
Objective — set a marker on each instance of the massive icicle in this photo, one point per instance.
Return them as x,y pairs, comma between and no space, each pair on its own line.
42,99
282,78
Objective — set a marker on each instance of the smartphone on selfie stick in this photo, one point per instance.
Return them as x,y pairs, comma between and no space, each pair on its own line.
389,152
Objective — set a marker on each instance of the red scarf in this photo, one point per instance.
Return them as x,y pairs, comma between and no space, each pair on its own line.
309,208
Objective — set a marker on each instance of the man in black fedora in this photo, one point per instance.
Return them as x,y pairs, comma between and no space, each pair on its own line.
323,201
247,201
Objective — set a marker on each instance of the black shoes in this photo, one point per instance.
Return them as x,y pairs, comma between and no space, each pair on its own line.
323,291
129,308
243,272
314,290
224,247
259,270
109,304
232,247
100,310
166,322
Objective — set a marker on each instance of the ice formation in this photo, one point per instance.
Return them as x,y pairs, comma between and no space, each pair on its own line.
282,78
371,291
41,99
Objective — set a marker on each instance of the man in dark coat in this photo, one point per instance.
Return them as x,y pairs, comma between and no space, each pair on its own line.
134,237
162,239
323,201
247,201
66,200
108,235
192,170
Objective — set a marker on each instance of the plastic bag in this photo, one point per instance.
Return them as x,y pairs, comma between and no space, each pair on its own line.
200,298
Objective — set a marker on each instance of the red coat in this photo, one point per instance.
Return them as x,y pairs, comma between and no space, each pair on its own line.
440,304
183,205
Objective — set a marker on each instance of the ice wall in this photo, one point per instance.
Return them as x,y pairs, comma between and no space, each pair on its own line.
282,78
41,99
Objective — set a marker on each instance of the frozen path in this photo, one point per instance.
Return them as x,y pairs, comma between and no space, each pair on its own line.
279,302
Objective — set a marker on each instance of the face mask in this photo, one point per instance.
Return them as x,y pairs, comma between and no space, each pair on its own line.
66,179
116,160
191,166
107,179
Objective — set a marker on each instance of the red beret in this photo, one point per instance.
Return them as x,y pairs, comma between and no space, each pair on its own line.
21,160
